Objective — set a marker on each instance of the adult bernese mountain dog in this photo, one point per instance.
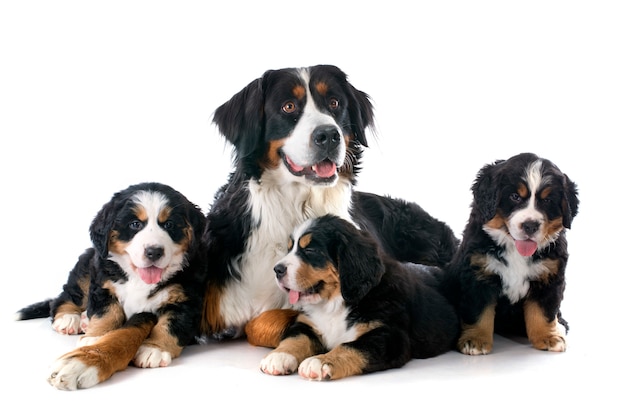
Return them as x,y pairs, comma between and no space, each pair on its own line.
139,289
360,310
509,273
297,136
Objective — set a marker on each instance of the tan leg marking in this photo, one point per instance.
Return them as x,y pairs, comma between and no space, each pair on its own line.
477,338
543,333
340,362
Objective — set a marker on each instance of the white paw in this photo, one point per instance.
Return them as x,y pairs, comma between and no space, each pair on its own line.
313,369
67,324
71,374
151,357
279,363
84,322
87,340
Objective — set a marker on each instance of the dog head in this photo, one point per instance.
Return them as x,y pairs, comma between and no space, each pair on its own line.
148,229
302,124
329,260
524,201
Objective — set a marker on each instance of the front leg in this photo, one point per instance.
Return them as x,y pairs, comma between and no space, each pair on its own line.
543,332
160,347
299,343
87,366
477,338
340,362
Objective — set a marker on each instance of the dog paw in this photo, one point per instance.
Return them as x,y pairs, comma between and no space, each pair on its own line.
279,363
314,369
71,373
474,346
151,357
67,324
84,322
552,343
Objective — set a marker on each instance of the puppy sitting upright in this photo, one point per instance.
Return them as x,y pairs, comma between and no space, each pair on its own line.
509,273
140,287
360,311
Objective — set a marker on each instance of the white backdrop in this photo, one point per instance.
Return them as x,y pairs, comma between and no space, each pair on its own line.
95,96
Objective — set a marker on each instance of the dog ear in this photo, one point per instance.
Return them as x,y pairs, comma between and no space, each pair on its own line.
570,201
361,114
486,191
240,118
359,263
197,222
102,225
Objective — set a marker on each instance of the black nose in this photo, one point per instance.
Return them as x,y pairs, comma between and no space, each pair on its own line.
154,252
530,226
280,271
326,137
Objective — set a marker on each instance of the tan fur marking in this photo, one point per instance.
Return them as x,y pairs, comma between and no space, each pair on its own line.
554,226
141,213
267,328
272,159
116,245
479,263
305,240
164,214
321,88
522,190
212,320
161,338
545,192
67,308
112,319
552,268
542,331
308,277
299,92
342,362
113,352
299,346
497,222
477,338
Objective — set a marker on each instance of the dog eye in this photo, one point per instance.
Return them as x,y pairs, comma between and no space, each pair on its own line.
333,103
135,225
516,198
289,107
168,225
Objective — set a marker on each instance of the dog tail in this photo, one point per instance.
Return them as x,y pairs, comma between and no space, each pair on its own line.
37,310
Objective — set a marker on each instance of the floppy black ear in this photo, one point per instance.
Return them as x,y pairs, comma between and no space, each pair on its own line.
486,190
359,263
240,118
102,225
570,201
197,221
361,113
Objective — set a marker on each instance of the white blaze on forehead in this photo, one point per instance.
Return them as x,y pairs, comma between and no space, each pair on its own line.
534,182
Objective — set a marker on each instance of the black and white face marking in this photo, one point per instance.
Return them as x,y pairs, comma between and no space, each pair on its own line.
307,273
311,117
531,212
149,239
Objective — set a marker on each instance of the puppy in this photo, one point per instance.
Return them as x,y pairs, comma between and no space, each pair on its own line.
139,288
298,135
509,272
360,311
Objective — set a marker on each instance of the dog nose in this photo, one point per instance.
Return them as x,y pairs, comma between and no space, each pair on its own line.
280,270
326,137
530,227
154,252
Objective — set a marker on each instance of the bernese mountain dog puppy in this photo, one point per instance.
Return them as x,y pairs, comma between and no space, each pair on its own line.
360,311
139,289
297,136
509,273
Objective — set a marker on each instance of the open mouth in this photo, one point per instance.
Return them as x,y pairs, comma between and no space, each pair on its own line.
295,296
323,171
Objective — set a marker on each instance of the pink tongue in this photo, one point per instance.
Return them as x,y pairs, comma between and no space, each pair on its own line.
325,169
526,247
150,275
293,296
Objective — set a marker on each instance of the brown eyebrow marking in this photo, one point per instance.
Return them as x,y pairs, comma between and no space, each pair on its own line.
305,240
